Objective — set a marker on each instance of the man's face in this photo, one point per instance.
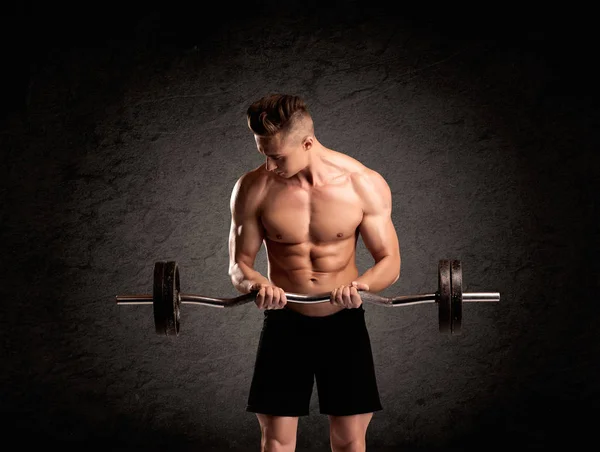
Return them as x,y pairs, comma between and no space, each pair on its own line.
285,156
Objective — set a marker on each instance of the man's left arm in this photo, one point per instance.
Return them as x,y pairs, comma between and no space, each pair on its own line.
377,231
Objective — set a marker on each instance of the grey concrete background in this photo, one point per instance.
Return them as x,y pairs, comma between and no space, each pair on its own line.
123,132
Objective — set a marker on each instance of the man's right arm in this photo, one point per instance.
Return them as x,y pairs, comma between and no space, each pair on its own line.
246,233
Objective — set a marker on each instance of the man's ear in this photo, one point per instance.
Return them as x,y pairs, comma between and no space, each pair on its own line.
307,143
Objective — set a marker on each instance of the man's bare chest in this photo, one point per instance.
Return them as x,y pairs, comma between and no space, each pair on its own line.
296,215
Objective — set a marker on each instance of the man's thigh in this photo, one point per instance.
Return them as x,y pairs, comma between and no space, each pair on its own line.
345,374
283,376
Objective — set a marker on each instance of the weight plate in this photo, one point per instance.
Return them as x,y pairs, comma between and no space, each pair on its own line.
158,299
166,298
457,299
443,296
171,292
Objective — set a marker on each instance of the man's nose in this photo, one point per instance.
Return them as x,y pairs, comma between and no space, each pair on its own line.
270,164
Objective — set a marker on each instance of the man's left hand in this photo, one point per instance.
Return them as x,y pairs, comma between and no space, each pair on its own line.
347,296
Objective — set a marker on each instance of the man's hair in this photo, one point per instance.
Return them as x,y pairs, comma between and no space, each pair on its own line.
277,113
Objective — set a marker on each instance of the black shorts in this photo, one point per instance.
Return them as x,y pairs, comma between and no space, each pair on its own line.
295,349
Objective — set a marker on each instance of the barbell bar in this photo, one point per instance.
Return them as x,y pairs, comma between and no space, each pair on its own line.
167,298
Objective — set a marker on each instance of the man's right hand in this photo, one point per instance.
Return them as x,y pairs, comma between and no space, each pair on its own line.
269,296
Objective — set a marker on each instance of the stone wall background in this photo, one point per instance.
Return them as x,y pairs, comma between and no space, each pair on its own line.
123,132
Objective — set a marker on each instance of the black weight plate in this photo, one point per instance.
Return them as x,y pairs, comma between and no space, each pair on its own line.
171,288
158,299
457,299
443,296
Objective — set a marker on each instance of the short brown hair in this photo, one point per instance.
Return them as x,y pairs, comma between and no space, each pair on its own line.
275,113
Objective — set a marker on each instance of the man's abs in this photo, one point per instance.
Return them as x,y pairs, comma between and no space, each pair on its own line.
303,275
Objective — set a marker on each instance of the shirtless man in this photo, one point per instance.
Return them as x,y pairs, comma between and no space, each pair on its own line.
308,204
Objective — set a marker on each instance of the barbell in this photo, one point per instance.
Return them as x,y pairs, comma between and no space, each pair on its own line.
167,298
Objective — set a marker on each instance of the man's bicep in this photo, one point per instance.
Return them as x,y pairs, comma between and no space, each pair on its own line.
379,235
377,229
245,239
246,232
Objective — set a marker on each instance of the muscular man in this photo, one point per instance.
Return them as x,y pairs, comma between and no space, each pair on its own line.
308,204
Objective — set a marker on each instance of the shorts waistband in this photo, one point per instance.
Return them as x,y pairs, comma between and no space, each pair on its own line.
312,319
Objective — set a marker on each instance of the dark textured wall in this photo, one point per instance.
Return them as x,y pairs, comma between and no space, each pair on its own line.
123,133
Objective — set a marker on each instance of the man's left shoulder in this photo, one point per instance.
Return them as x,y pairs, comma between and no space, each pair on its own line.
372,191
367,179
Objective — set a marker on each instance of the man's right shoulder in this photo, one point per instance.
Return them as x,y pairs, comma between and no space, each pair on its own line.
251,184
252,178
